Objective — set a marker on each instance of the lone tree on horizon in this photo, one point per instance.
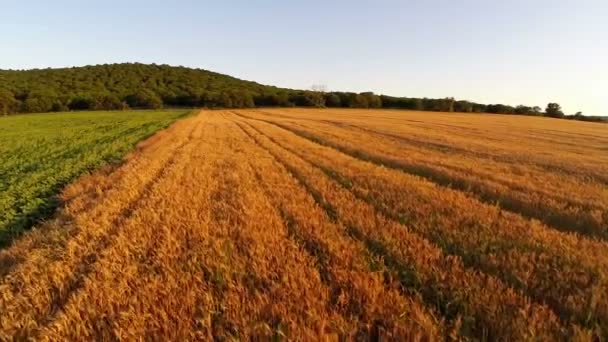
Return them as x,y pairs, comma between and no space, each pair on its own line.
554,110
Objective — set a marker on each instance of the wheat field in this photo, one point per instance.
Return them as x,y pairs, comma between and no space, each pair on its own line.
326,225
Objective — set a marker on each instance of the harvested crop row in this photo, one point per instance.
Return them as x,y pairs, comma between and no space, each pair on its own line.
558,208
483,305
521,253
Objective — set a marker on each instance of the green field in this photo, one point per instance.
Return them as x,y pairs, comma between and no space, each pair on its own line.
40,153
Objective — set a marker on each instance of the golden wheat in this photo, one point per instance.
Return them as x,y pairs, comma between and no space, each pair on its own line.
326,224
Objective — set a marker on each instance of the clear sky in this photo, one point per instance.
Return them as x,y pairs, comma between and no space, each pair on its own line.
492,51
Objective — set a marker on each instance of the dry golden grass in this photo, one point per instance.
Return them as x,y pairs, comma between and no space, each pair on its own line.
326,224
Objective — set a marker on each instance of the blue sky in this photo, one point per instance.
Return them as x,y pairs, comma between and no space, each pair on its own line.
529,52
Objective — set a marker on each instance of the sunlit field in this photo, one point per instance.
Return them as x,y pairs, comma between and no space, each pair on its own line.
323,224
40,153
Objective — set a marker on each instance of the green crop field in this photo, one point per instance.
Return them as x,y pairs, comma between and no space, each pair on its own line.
40,153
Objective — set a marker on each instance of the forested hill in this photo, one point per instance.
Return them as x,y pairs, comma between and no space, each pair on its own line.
118,86
135,85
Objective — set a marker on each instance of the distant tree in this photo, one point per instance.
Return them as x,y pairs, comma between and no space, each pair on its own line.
248,101
554,110
391,102
106,102
480,108
144,98
463,106
59,106
281,99
332,100
318,99
523,110
439,105
347,99
189,99
8,103
500,109
39,102
36,105
449,104
429,104
240,99
309,99
263,100
81,103
209,99
416,104
372,100
225,100
317,95
359,101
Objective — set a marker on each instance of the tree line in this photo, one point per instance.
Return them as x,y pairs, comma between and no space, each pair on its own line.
135,85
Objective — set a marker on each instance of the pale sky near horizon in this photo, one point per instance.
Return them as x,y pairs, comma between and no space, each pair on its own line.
511,52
